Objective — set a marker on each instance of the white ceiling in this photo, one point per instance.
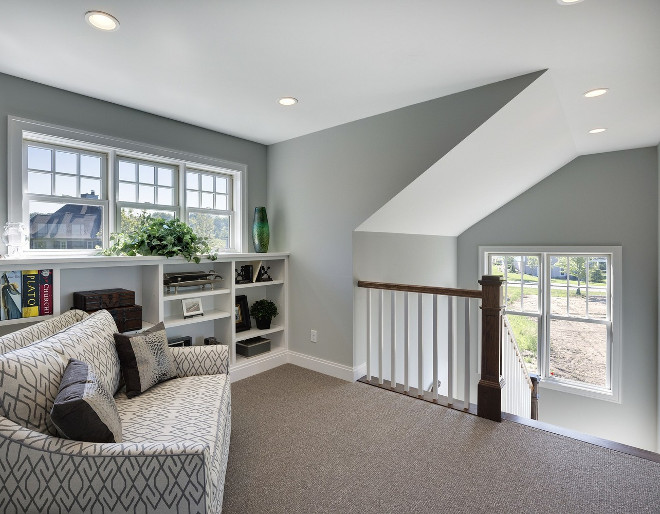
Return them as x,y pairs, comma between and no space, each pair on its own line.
222,64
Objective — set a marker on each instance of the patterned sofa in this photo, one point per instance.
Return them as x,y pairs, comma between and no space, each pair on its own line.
175,436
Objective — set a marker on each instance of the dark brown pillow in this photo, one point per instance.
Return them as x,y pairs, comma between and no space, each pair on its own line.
145,359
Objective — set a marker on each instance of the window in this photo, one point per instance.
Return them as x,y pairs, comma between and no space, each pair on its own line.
72,189
562,306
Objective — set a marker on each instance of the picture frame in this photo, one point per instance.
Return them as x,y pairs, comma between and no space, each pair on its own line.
192,307
242,314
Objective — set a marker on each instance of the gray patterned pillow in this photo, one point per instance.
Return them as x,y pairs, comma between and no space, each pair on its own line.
83,409
145,359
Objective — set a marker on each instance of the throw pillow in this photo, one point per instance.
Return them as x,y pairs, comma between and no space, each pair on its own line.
83,409
145,359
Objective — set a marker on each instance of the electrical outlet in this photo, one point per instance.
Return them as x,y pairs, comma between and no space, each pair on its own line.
314,336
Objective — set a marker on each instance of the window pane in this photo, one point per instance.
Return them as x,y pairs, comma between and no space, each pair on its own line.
65,225
578,351
39,158
146,194
192,198
597,287
165,177
558,299
513,292
207,183
90,188
129,217
65,185
530,283
192,180
127,171
526,332
39,183
147,174
221,202
207,200
577,303
221,185
127,192
66,162
497,265
90,165
165,196
213,227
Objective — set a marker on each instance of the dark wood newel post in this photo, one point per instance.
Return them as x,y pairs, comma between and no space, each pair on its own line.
489,392
535,395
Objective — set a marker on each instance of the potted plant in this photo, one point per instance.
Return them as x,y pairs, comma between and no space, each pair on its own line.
263,311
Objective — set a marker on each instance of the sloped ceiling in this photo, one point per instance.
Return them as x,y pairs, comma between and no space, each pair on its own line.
525,141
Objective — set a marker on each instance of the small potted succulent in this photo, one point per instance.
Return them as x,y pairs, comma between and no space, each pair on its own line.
263,311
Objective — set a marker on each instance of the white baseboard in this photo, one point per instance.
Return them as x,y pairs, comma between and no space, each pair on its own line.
359,371
323,366
258,365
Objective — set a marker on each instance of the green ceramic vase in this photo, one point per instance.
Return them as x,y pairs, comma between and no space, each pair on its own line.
260,230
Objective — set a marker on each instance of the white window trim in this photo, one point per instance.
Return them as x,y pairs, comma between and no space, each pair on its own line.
614,394
20,129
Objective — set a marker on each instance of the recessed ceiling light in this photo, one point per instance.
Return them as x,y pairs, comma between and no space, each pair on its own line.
102,21
596,92
597,130
287,100
568,2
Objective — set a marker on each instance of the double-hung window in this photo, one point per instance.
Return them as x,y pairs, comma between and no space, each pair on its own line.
562,305
72,189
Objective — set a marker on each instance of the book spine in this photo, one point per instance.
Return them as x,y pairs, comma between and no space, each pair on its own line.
45,292
11,294
30,293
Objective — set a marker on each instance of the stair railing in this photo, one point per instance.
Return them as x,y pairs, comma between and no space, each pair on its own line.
520,391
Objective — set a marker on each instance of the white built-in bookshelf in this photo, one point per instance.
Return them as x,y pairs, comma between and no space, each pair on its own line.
144,275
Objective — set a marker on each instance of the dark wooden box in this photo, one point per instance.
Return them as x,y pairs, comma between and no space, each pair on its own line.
103,299
178,341
127,318
253,346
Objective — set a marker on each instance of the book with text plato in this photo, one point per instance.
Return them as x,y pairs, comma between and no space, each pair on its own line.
30,293
45,292
10,294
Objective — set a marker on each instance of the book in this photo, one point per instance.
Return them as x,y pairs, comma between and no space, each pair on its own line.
30,293
45,292
11,283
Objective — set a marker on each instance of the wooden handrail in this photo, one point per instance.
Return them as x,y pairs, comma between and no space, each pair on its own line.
444,291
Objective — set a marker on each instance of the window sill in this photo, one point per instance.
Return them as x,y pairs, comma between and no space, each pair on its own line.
589,392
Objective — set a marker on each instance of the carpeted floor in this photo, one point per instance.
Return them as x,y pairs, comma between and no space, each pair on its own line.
305,442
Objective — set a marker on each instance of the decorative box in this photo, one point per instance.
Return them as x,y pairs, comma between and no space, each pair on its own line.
253,346
179,341
103,299
127,318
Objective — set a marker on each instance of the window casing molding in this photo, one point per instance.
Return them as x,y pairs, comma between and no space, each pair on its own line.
614,350
42,133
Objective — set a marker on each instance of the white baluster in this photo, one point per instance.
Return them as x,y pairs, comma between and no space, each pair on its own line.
369,334
381,322
466,387
406,385
393,338
435,347
420,353
450,350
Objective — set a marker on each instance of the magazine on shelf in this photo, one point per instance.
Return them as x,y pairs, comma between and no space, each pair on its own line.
11,284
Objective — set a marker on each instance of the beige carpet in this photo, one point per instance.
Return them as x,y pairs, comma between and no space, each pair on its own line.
306,442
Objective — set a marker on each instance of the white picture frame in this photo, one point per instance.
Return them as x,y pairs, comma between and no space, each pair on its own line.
192,307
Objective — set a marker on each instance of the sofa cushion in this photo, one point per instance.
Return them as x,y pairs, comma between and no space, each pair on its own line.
145,359
29,381
83,409
192,409
27,336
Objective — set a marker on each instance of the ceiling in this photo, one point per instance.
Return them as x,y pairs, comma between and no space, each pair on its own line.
222,64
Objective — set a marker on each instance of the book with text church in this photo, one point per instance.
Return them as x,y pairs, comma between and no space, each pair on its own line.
45,292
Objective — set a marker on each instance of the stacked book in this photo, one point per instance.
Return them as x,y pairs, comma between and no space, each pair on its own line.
26,293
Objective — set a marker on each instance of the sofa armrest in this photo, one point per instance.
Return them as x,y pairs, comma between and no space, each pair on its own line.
201,360
94,477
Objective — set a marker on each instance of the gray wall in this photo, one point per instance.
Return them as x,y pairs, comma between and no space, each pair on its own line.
34,101
602,199
323,185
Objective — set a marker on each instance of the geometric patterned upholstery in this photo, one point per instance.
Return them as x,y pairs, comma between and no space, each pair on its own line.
27,336
201,360
173,456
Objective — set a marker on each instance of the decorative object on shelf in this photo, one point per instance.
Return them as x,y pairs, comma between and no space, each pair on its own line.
15,237
242,314
127,318
260,230
263,311
263,275
192,307
177,341
157,236
245,275
190,279
120,303
253,346
211,341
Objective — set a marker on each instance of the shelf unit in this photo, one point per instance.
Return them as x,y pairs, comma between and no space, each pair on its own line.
144,275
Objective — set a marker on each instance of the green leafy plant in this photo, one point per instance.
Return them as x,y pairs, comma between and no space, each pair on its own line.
158,236
263,309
